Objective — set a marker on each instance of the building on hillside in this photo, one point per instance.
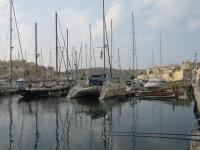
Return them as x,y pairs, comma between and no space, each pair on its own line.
22,69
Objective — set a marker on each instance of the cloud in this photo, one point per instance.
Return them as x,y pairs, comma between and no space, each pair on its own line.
193,24
167,14
78,23
4,13
78,20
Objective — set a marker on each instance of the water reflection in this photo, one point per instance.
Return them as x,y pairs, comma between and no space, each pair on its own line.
36,127
11,123
58,123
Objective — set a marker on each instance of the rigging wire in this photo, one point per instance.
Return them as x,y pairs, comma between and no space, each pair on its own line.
63,40
107,46
62,57
93,53
79,57
16,23
155,133
155,136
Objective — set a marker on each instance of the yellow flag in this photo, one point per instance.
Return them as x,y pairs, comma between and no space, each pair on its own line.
101,55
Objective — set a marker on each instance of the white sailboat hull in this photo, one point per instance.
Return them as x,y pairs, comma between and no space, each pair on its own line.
112,90
78,91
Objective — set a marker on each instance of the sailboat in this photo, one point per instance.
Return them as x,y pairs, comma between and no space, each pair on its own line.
110,88
48,87
7,86
90,87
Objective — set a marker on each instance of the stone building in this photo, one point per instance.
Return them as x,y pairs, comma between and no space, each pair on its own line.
22,69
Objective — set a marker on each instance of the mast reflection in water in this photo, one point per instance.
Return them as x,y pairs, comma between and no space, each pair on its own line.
58,123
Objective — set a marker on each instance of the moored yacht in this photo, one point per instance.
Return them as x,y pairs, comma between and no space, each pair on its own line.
112,90
43,88
154,83
88,88
7,88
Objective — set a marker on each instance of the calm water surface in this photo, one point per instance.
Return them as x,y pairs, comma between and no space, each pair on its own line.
58,123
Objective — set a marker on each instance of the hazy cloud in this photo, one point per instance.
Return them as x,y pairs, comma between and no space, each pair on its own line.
4,11
168,14
193,24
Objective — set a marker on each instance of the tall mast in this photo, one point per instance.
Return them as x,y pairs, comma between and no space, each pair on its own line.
104,56
133,41
119,64
50,59
11,47
152,59
90,46
67,50
73,57
86,58
111,46
161,65
136,58
81,53
76,64
56,19
36,51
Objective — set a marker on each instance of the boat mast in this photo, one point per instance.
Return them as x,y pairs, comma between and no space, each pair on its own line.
56,19
152,60
111,46
136,58
119,65
11,47
67,50
50,59
90,46
196,67
36,51
86,60
104,56
81,53
133,41
161,65
76,64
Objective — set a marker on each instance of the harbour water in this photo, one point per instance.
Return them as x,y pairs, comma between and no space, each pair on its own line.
58,123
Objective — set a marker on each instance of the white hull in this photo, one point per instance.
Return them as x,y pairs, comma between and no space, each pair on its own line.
87,91
111,90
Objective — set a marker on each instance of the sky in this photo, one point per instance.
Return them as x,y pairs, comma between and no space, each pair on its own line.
177,21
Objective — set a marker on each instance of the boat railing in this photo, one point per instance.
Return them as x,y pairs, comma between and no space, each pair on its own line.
80,82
